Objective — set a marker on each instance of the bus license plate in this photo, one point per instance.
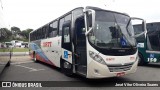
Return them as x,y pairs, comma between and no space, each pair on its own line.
120,74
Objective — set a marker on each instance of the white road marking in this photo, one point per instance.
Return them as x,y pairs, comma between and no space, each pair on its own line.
22,62
30,69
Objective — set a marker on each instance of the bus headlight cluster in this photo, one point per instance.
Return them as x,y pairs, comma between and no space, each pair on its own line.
96,57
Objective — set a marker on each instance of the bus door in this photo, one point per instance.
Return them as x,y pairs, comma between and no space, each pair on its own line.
80,47
66,62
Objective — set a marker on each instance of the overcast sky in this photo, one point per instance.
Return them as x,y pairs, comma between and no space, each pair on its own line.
35,13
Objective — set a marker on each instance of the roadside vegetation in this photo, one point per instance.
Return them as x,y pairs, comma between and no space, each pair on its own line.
20,49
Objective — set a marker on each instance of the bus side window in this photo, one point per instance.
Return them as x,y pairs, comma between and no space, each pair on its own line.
137,30
43,34
52,30
60,26
62,20
66,35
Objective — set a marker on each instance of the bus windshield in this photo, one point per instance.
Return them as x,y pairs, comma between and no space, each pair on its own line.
112,30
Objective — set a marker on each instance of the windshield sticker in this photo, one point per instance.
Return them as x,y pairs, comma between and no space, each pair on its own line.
123,41
140,45
66,54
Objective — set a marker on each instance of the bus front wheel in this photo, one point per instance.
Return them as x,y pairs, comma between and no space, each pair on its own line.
141,61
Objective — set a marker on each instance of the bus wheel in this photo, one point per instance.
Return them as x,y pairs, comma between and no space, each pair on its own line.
34,57
141,61
66,68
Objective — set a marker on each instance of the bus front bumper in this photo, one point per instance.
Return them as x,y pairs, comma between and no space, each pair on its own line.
97,70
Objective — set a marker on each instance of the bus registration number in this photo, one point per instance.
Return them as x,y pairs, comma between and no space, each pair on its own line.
152,59
120,74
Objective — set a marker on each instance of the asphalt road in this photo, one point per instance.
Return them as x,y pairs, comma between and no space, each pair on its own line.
22,68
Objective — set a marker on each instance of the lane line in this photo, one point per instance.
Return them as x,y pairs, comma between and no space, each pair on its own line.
30,69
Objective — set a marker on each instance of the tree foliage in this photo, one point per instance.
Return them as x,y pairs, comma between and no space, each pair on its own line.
15,30
5,33
15,33
26,32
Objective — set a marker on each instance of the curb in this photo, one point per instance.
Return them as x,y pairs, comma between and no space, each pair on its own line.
20,53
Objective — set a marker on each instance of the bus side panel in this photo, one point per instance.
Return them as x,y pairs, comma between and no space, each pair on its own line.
67,55
39,54
152,57
52,49
142,50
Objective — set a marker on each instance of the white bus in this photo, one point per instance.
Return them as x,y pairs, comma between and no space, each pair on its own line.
90,41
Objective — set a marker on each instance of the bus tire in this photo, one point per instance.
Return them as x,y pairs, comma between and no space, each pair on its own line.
34,57
141,61
64,68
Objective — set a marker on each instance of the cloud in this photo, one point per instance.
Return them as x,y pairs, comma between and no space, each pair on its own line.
35,13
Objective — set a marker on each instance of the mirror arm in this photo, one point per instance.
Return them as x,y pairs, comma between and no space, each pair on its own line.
93,21
144,26
88,31
138,35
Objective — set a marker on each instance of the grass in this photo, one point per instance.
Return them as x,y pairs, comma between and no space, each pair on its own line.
20,49
4,50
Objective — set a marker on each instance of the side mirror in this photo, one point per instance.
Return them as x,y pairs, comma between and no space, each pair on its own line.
89,13
143,27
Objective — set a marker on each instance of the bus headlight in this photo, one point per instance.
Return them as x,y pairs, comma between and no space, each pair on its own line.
96,57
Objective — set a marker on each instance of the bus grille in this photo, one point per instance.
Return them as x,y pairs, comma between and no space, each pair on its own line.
119,68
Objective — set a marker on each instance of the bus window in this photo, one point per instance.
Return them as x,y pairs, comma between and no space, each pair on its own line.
43,34
53,29
66,35
66,18
60,26
137,30
153,40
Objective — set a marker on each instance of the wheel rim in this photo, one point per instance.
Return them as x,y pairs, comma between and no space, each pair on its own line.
35,58
66,65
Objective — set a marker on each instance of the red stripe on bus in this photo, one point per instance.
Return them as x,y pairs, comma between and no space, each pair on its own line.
43,60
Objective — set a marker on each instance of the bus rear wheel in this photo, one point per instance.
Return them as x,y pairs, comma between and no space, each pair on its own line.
34,57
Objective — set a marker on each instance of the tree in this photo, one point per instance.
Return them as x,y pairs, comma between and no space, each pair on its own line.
15,30
8,33
26,32
5,34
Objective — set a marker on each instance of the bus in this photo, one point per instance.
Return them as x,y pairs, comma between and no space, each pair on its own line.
149,45
5,50
88,41
8,44
24,45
